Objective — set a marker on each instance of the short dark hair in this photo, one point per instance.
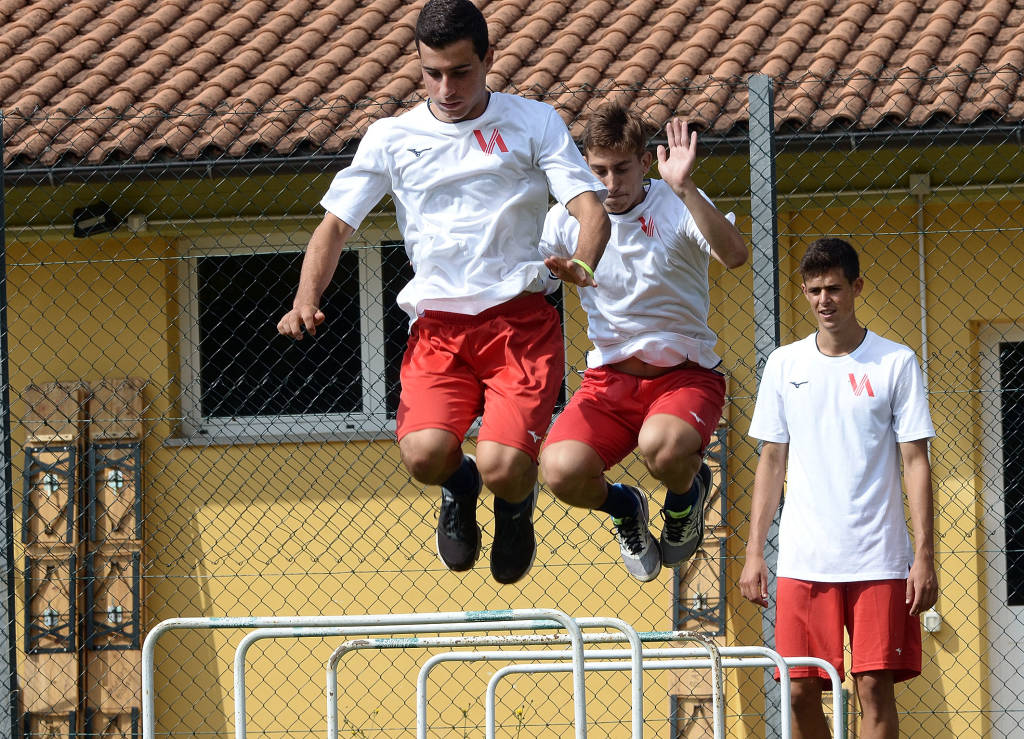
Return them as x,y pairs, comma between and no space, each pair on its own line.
827,254
443,22
616,127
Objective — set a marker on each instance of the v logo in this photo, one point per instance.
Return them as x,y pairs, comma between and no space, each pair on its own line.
488,146
860,387
648,227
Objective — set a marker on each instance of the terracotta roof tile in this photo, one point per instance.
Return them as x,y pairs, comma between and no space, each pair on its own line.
94,79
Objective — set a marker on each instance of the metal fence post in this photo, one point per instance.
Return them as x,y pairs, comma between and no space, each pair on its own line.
764,233
8,662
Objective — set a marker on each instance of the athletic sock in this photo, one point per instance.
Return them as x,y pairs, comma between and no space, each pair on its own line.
500,504
683,502
621,502
464,482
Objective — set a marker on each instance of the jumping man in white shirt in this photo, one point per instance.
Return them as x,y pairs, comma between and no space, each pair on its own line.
838,412
470,172
650,382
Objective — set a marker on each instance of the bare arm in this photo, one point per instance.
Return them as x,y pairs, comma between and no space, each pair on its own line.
922,583
318,266
768,481
595,228
675,166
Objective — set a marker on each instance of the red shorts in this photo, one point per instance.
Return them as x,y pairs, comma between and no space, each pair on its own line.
610,407
810,616
505,364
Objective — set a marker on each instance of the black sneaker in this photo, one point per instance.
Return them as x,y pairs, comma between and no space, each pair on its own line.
684,530
458,535
514,545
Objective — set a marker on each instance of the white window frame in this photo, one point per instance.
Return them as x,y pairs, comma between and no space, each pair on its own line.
370,423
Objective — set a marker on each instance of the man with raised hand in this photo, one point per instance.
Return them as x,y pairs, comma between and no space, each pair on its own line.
651,382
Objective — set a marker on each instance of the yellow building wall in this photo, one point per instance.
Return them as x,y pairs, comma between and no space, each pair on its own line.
243,531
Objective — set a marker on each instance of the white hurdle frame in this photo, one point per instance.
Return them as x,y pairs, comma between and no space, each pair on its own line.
719,723
637,707
408,622
627,630
241,651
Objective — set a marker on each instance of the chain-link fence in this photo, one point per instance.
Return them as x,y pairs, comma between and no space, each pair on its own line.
171,455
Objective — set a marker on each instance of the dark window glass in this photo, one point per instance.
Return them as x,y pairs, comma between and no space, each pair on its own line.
1011,372
247,368
396,271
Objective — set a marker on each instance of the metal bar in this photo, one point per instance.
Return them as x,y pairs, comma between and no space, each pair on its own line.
8,634
342,650
715,663
713,652
410,619
242,650
765,264
764,218
676,664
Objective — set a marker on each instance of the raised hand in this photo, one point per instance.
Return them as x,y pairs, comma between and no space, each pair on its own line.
676,163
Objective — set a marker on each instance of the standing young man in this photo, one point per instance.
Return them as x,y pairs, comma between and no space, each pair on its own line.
469,171
837,411
650,381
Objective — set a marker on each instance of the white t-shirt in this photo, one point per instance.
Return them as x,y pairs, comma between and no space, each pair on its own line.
651,299
470,198
843,417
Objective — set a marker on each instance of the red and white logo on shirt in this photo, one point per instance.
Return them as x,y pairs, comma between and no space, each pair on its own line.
860,387
487,146
648,227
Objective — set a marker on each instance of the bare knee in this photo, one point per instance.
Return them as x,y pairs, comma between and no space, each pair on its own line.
805,697
508,472
877,697
671,450
559,474
574,473
431,456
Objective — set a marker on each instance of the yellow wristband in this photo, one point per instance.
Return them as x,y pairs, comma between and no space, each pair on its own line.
586,268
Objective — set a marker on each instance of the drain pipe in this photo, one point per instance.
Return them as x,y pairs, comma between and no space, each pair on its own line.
920,187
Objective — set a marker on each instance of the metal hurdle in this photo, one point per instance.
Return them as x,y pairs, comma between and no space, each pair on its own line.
398,623
628,632
249,639
637,708
719,727
421,727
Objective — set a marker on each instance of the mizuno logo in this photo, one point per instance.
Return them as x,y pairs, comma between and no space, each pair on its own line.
533,435
419,152
797,384
648,227
860,387
488,146
697,418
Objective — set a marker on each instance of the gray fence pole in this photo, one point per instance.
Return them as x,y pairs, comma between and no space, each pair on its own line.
8,640
764,238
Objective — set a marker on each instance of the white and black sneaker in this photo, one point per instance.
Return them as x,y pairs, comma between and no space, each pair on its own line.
515,545
684,530
639,550
458,535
